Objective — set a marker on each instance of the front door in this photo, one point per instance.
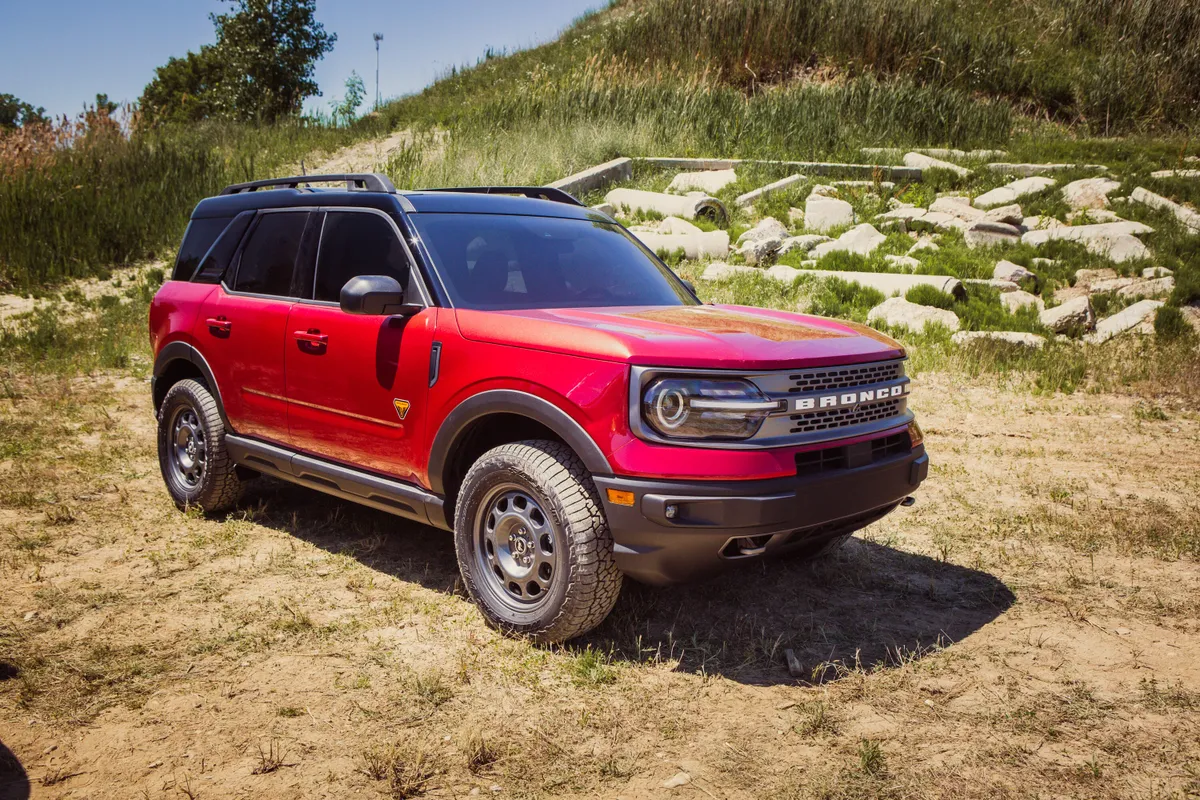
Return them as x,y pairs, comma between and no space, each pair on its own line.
357,385
240,328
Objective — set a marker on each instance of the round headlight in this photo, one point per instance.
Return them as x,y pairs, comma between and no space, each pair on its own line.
702,408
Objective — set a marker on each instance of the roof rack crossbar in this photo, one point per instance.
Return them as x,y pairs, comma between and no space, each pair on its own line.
534,192
368,181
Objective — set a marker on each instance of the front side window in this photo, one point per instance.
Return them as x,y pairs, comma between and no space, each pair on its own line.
354,244
493,261
270,255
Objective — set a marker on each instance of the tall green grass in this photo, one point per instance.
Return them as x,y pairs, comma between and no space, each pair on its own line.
1117,65
113,199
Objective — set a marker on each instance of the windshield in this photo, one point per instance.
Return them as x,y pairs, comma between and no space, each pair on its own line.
492,261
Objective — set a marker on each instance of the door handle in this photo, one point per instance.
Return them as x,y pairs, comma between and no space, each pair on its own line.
311,337
218,324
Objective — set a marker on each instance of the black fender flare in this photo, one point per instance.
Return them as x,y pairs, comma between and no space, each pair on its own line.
182,351
509,401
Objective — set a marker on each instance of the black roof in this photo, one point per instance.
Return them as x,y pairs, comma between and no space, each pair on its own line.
378,194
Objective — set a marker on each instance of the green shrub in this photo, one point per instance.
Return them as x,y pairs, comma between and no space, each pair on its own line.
926,295
1169,323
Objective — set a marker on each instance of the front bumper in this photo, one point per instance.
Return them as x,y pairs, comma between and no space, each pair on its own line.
716,523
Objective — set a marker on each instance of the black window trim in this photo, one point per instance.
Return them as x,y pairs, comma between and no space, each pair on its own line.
236,261
413,271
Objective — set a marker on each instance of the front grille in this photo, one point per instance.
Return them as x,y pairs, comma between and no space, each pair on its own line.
844,417
820,380
830,459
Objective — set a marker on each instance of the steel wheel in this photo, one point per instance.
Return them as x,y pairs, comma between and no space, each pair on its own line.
515,548
189,447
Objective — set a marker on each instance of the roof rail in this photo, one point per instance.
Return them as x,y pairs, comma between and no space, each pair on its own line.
534,192
368,181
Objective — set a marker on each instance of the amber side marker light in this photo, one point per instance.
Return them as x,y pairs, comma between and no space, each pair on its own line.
915,436
619,498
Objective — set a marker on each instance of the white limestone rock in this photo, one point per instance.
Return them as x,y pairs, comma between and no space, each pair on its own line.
1008,215
1156,272
711,181
898,312
719,271
1176,173
1187,217
767,228
1013,192
605,208
1014,301
750,198
991,234
862,239
1075,314
757,252
1008,271
959,207
1022,338
1091,216
938,220
925,162
1124,320
783,273
904,262
994,283
802,244
924,244
1154,287
1089,193
822,214
677,225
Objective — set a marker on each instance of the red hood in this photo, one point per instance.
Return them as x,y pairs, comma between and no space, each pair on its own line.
733,337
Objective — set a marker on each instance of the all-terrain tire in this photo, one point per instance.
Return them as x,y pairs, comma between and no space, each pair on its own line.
216,485
586,581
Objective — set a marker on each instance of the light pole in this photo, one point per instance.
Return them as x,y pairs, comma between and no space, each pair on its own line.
378,97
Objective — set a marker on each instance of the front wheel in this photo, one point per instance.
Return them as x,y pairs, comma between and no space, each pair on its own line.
533,546
191,450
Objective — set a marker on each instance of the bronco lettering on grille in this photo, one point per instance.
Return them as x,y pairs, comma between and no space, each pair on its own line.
846,399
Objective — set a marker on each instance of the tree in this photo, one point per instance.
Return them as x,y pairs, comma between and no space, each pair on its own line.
261,67
348,108
16,113
104,105
183,89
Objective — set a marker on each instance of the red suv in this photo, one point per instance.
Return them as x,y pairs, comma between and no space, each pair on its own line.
512,366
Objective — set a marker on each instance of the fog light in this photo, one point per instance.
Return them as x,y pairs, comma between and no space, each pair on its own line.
672,511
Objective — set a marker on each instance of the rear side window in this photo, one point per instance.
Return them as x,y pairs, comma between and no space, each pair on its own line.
200,235
270,254
354,244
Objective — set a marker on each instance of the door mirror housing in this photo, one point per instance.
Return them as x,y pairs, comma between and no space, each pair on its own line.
376,295
691,287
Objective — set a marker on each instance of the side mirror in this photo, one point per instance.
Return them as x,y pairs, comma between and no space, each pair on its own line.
375,295
691,286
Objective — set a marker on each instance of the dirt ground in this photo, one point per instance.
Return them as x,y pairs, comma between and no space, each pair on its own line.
1030,628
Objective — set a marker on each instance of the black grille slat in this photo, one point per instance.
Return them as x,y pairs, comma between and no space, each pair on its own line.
830,459
845,377
843,417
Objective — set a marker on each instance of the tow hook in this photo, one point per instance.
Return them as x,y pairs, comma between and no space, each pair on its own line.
908,501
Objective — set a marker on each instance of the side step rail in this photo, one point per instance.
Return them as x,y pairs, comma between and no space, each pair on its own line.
396,497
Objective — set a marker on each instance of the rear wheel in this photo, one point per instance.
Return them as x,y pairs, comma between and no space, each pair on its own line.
533,545
191,450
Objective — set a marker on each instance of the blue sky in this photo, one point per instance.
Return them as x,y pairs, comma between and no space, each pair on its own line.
60,53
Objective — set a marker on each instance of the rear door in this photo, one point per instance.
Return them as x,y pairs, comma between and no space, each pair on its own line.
241,327
357,385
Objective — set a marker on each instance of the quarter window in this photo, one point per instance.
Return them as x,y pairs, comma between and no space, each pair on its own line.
354,244
201,233
270,254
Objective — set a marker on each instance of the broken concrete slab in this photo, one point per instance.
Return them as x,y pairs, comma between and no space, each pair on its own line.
926,162
1176,173
711,244
870,171
1009,215
767,228
1153,287
719,271
1007,337
709,181
1087,277
1008,271
1039,169
862,240
1089,193
898,312
1010,193
1124,320
957,207
1074,314
823,213
597,177
893,282
803,243
994,283
752,197
1080,233
903,262
686,206
1014,301
991,234
924,243
1188,218
783,273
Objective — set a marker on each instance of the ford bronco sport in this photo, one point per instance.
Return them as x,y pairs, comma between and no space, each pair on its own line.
509,365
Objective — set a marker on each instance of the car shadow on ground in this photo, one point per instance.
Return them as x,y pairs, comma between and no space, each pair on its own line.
866,606
14,783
